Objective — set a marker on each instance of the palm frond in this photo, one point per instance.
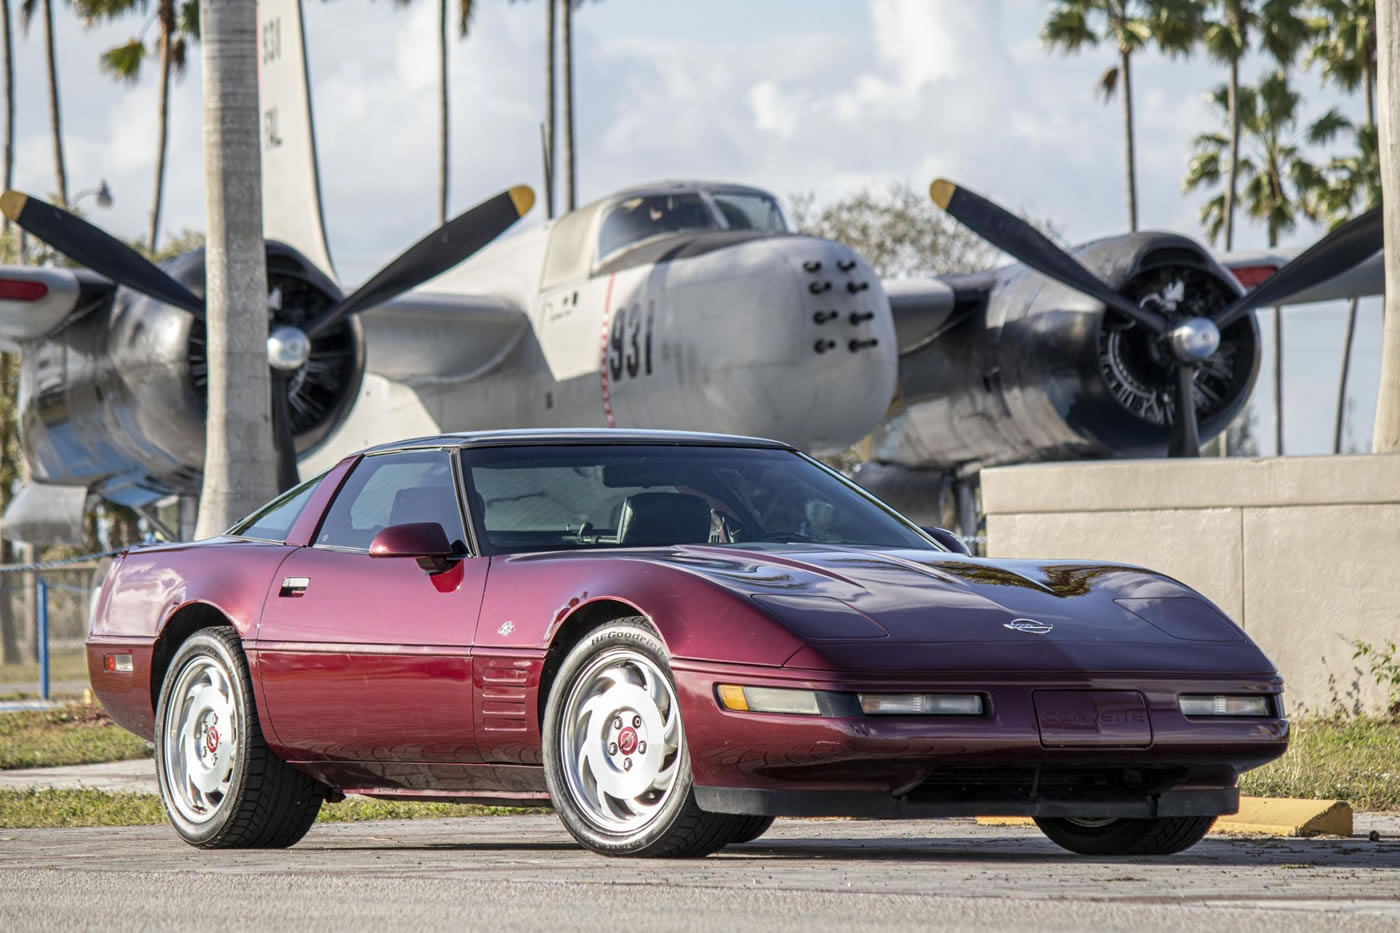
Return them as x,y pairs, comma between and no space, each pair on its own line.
1107,85
465,9
123,62
1066,29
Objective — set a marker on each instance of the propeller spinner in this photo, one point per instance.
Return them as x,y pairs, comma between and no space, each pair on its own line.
289,347
1189,342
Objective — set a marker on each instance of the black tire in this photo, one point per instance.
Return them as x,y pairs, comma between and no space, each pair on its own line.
678,828
1163,836
264,803
750,828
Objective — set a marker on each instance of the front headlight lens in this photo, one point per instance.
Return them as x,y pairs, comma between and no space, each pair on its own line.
1225,705
768,700
921,704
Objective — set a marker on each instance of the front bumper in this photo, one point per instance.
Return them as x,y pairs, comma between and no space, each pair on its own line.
995,763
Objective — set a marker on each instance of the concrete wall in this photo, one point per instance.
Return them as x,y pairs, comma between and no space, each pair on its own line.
1304,552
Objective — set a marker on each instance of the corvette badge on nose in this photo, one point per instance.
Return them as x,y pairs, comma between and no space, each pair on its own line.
1028,625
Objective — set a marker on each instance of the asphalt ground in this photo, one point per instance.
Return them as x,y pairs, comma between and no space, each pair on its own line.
526,873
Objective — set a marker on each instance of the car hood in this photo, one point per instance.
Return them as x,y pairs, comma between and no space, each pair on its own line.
1030,613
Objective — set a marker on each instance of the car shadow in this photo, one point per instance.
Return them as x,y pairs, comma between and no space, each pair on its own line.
1319,852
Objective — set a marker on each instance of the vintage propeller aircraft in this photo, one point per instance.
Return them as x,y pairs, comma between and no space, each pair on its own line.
676,305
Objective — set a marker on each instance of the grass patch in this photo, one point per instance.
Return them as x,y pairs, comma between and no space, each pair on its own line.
43,809
1356,760
68,735
64,667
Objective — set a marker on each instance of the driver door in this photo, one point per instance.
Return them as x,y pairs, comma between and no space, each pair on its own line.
367,659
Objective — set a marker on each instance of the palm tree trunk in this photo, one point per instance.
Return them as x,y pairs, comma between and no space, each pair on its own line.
9,102
62,172
1126,77
549,113
1338,423
1233,173
167,37
1386,438
442,111
569,203
240,463
1278,381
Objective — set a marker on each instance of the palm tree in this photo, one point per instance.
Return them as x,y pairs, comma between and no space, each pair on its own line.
568,40
1280,185
465,9
1227,37
1130,25
1353,185
26,15
1344,46
9,103
123,62
1386,438
240,463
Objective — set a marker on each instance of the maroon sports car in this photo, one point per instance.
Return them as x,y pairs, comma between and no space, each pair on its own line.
671,639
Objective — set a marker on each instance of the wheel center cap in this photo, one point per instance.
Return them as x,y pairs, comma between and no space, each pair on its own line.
211,739
627,741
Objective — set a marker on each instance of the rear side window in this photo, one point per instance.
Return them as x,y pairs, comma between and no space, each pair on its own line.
394,489
274,521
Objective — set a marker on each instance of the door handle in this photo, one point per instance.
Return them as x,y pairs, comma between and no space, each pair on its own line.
294,586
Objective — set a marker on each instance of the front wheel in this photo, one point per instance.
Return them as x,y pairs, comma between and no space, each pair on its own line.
615,755
222,787
1162,836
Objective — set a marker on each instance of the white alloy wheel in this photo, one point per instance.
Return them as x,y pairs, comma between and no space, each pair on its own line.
620,740
201,738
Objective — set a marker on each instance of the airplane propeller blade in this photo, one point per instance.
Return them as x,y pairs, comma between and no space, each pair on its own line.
1020,240
1186,434
101,252
433,255
1338,251
282,437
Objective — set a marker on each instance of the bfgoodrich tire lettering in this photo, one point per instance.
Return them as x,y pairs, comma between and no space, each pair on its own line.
221,786
615,756
1163,836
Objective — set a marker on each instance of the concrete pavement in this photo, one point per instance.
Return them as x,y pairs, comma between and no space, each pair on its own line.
524,872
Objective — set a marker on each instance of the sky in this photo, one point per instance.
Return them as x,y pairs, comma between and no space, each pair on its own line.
796,96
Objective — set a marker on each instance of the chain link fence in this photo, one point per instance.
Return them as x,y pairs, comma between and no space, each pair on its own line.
44,614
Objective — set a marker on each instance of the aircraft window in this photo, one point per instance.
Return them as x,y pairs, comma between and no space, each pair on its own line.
642,218
394,489
567,257
750,211
274,521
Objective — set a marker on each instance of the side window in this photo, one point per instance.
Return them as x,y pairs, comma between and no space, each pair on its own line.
394,489
274,521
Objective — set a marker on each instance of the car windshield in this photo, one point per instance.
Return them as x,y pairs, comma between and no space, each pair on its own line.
567,497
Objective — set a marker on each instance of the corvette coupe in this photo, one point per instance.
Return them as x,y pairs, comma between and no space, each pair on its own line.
671,639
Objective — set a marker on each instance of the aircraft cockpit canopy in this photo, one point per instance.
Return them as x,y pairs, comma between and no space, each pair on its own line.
638,217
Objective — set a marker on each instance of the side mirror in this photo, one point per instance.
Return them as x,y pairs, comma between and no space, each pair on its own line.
425,542
948,539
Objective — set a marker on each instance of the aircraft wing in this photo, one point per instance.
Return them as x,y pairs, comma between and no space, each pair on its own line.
35,301
1254,266
423,337
925,309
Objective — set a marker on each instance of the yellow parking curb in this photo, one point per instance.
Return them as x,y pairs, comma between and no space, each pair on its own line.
1266,816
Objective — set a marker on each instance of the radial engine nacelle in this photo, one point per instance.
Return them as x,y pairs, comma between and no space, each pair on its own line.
118,390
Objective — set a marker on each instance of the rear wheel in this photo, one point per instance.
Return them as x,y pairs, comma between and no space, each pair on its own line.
222,787
615,755
1162,836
